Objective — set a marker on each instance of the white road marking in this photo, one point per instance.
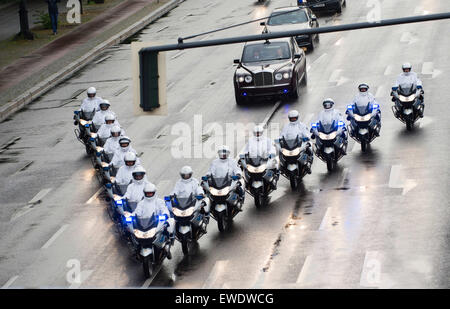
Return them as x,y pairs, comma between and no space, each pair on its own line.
381,92
304,272
314,63
89,201
345,173
397,180
218,269
9,282
336,77
56,235
428,69
185,106
407,37
388,70
147,283
338,42
39,196
177,55
371,272
83,277
325,220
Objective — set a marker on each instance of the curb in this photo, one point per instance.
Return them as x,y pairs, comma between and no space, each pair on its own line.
35,92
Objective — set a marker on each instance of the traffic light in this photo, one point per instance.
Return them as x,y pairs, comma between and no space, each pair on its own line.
149,81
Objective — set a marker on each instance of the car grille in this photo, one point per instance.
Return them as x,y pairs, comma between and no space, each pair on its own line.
263,79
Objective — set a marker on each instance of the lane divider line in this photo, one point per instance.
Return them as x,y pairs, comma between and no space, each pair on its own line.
56,235
218,269
304,271
10,282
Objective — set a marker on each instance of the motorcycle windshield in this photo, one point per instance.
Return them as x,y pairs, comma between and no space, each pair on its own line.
184,202
407,89
131,206
362,110
291,144
327,127
220,182
88,115
256,161
145,224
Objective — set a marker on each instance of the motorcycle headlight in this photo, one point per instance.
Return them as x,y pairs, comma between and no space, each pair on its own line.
256,169
278,76
248,79
148,234
362,118
407,99
290,153
183,213
83,122
330,136
221,192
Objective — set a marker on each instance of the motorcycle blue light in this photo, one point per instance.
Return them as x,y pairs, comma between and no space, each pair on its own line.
119,202
86,125
167,198
91,139
375,106
129,219
162,218
108,185
349,107
341,123
313,125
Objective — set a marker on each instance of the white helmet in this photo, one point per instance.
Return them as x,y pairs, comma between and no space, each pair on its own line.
104,102
362,87
109,117
406,66
149,190
223,152
186,172
91,90
130,157
258,131
328,103
115,130
138,174
293,115
124,140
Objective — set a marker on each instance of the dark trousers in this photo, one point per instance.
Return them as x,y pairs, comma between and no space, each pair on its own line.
54,20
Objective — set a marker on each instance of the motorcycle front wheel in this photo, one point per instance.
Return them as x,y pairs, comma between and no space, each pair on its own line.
330,165
146,263
363,146
222,222
293,181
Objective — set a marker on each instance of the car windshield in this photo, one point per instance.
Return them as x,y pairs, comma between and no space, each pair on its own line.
294,17
266,52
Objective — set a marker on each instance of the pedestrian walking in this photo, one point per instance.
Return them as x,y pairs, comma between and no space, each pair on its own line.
53,13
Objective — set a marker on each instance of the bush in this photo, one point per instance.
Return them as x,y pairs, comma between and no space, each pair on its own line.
44,20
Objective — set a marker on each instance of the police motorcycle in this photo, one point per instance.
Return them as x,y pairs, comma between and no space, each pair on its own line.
190,220
259,177
364,126
225,202
408,104
150,240
293,158
83,133
330,146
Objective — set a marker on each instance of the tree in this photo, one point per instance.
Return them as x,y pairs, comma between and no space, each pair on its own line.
24,27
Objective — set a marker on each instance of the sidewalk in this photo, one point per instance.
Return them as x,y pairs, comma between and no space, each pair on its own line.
26,79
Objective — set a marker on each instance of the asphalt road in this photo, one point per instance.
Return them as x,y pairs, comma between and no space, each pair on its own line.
381,220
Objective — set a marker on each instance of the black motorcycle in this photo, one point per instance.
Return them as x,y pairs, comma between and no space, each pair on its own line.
408,104
190,220
260,180
330,145
84,122
225,202
364,124
294,159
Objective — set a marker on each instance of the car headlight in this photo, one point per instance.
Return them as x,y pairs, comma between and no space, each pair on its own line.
286,75
290,153
278,76
183,213
362,118
240,79
248,79
324,136
258,169
407,99
221,192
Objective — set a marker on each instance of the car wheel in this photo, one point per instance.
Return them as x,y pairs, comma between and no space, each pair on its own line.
240,100
339,9
294,93
345,3
311,45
